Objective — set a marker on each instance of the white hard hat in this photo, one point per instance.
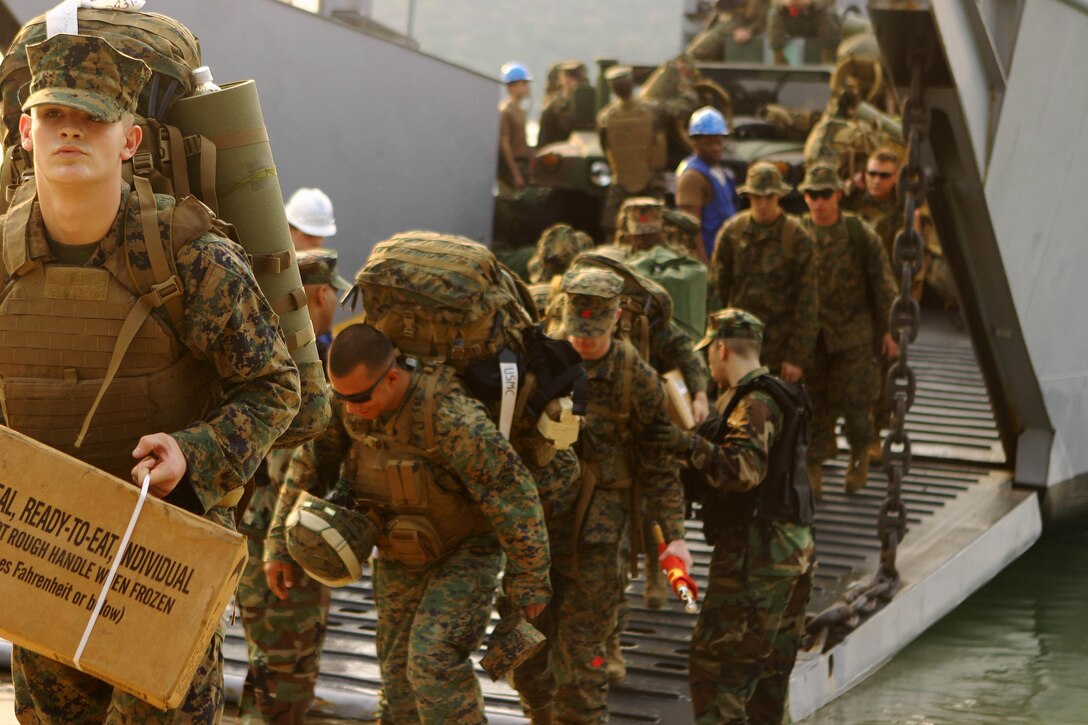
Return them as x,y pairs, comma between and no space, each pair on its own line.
310,211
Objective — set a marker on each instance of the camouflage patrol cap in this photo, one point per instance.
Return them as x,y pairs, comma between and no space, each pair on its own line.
617,73
593,296
731,323
821,177
642,215
86,73
764,179
555,250
318,266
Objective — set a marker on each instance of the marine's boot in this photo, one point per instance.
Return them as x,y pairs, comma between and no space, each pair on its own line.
857,471
876,452
780,58
656,591
617,666
816,479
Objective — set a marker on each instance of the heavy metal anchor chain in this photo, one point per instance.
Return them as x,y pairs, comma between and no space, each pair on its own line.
831,625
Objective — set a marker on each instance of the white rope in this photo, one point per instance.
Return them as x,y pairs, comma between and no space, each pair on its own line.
113,570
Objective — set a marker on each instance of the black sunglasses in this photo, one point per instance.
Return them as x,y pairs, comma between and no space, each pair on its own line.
880,174
820,194
364,395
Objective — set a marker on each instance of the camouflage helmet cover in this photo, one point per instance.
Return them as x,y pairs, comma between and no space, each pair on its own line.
764,179
731,323
86,73
593,297
318,266
329,542
555,250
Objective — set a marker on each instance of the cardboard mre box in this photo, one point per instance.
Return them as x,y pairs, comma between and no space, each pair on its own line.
61,523
678,400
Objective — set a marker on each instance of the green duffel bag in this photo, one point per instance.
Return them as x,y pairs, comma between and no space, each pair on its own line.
685,279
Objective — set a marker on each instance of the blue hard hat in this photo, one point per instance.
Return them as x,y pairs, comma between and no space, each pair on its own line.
707,121
513,72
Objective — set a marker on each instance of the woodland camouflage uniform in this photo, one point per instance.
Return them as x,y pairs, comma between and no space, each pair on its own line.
749,630
227,321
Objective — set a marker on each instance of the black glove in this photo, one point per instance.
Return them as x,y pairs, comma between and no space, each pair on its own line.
669,437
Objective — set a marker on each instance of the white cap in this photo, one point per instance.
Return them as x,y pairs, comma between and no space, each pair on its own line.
310,211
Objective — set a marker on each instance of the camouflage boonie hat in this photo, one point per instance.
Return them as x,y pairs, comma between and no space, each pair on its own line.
318,266
617,72
593,296
86,73
642,215
555,250
764,179
821,177
731,323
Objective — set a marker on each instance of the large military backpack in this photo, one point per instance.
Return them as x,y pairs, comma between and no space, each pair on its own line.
446,299
684,278
213,147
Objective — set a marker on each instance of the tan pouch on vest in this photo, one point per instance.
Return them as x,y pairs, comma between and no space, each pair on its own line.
413,541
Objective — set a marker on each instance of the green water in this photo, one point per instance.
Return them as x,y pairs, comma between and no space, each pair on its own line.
1015,652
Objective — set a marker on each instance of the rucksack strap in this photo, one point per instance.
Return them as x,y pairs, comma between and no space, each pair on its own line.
156,252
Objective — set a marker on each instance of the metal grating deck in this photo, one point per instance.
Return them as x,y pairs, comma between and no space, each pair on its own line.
956,447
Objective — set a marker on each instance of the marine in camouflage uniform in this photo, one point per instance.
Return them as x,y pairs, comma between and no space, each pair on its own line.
805,19
770,270
740,21
749,630
557,118
432,612
567,681
284,637
633,143
226,321
856,290
555,250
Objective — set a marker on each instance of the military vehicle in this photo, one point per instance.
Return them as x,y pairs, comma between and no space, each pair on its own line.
570,177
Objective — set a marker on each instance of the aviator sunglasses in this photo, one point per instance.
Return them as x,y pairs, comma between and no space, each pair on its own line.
880,174
364,395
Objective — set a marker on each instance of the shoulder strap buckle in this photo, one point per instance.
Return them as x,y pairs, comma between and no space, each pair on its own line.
166,291
143,163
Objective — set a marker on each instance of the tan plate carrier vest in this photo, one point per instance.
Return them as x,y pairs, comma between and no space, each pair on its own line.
84,366
423,520
631,146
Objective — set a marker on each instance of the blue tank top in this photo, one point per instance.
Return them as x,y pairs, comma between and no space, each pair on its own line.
721,206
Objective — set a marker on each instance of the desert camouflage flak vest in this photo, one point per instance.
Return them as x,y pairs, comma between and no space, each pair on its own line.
630,140
84,366
423,520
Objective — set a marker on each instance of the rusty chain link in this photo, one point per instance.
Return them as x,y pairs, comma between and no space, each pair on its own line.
832,625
